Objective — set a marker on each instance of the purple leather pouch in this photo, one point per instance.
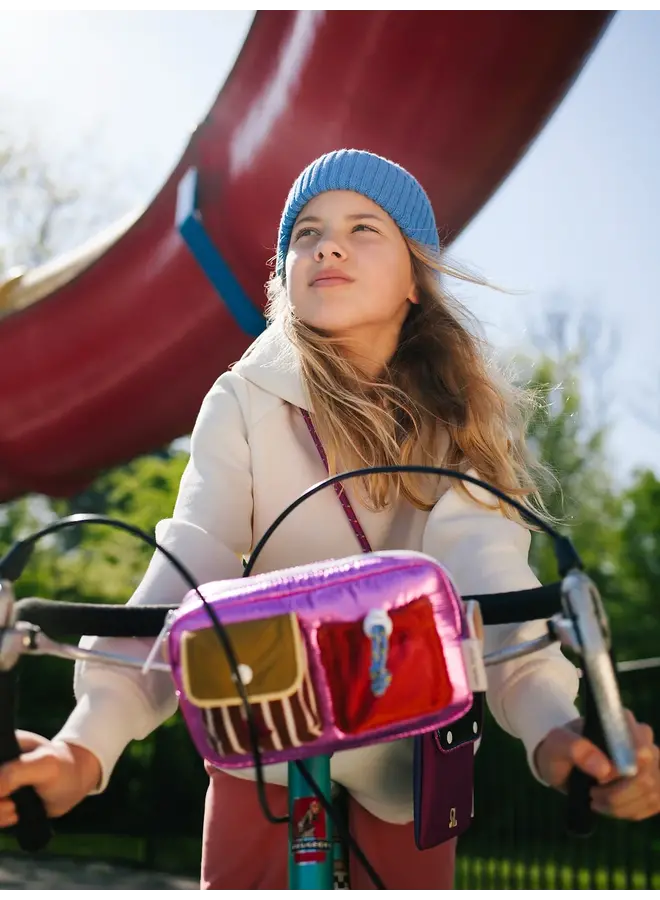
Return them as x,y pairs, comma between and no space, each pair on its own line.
444,778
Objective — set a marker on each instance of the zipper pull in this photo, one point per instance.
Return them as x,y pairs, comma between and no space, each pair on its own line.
155,650
378,627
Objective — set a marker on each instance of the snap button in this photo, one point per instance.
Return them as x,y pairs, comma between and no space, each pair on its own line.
245,673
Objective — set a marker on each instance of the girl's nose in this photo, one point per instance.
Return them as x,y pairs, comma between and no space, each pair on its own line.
327,248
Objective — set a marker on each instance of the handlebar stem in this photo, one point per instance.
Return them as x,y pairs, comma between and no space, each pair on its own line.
34,642
518,650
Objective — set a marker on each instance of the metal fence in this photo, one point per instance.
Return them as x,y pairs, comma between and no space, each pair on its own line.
518,840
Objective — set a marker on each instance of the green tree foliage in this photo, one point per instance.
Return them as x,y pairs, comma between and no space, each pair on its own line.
617,533
580,491
636,612
104,563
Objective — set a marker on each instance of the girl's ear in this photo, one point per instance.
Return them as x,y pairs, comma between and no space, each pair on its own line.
413,295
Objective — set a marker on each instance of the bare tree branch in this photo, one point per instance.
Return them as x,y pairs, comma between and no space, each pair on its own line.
36,200
573,333
644,404
30,203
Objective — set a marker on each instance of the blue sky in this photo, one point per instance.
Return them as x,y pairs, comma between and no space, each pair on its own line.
111,99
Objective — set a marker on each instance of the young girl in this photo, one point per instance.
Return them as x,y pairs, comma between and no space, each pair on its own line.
363,337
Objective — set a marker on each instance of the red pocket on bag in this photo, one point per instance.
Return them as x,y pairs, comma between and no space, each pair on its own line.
418,679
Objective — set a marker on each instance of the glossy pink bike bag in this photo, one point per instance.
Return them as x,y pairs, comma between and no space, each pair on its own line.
333,655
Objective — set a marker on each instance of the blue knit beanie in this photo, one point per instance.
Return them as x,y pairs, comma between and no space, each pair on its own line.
384,182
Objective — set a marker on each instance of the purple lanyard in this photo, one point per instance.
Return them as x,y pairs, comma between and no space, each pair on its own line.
339,488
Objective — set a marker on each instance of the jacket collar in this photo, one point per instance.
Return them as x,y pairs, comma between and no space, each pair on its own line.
272,364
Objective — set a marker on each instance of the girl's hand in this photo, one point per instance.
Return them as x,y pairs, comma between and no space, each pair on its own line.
623,798
62,774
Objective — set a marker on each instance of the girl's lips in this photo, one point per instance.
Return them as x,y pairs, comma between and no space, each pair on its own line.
331,276
330,281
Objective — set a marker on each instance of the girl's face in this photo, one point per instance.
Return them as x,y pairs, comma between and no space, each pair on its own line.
349,273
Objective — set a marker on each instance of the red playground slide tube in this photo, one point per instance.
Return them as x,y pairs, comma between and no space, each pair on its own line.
108,354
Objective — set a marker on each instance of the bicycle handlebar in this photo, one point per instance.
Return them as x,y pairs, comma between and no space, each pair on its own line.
33,830
585,629
98,619
572,608
102,620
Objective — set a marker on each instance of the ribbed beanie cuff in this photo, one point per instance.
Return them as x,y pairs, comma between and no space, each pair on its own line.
389,185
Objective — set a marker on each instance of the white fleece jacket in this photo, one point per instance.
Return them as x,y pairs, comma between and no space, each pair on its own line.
251,455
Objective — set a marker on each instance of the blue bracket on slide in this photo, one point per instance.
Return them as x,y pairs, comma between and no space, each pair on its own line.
188,220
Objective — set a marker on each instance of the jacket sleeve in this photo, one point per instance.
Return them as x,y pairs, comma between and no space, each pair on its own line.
485,552
209,531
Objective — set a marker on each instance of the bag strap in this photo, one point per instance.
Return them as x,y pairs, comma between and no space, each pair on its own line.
339,488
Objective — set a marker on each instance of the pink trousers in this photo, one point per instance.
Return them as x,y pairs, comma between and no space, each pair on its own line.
243,851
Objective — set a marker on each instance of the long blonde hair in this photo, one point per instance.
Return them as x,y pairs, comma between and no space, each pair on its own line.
440,375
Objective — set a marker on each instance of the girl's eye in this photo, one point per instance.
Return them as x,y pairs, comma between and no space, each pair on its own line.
308,230
303,232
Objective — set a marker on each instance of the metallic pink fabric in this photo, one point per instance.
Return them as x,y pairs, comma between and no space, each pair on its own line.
335,590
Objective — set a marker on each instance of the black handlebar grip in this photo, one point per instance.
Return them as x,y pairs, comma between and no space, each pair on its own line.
580,816
33,831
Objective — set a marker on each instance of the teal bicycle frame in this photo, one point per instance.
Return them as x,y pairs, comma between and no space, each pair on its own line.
311,845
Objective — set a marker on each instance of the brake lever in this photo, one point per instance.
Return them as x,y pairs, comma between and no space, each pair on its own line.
584,628
33,829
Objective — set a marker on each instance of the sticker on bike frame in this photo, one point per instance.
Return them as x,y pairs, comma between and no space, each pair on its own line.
309,839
